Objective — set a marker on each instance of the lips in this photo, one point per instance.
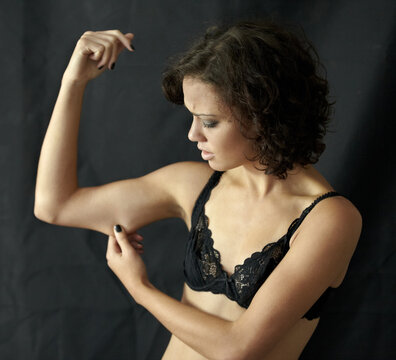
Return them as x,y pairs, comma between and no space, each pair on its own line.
206,155
207,152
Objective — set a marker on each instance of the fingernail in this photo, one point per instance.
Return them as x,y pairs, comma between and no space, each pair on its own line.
132,47
112,66
101,67
117,228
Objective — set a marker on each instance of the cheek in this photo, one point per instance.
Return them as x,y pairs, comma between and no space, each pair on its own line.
229,143
239,143
235,147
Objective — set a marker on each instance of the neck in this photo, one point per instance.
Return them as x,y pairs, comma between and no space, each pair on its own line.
258,185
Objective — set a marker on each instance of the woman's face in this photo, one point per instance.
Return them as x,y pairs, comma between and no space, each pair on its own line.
214,127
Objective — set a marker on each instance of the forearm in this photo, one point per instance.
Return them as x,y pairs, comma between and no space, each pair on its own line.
209,335
57,169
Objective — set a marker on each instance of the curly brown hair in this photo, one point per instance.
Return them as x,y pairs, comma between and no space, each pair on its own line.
270,78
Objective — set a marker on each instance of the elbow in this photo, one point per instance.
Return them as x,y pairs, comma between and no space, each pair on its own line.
45,213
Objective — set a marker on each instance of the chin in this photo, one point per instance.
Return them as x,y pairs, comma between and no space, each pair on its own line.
222,166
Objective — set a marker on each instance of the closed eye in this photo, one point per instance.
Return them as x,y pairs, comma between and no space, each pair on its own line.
209,124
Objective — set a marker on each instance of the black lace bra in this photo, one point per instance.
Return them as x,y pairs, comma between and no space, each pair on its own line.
202,263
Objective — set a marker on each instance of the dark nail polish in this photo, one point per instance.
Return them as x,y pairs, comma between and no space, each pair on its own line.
100,68
112,66
117,228
132,47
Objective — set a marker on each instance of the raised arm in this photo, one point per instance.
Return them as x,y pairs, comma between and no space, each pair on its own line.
59,199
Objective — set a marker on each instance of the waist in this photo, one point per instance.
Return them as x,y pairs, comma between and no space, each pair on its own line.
289,347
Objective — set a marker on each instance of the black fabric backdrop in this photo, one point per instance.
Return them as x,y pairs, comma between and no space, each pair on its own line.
58,299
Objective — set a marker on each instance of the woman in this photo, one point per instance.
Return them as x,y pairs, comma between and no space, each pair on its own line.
269,237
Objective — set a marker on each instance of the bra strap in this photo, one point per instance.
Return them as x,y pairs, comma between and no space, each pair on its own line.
296,223
204,196
320,198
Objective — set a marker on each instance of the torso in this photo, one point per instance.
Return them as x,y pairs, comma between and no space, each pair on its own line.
241,226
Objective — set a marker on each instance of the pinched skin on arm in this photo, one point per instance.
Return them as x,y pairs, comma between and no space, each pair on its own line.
168,192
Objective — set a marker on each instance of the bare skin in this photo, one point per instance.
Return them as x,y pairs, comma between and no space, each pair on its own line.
247,210
222,210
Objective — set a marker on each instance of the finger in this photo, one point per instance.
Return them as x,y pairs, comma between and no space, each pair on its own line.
120,46
136,245
130,37
114,47
122,238
90,47
118,50
112,247
107,48
124,39
135,237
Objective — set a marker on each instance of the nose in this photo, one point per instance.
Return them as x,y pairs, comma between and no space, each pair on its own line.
195,133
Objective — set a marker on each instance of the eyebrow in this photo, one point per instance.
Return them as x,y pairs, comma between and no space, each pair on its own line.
213,115
203,114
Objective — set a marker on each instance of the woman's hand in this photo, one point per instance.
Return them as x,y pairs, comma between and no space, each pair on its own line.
123,258
96,51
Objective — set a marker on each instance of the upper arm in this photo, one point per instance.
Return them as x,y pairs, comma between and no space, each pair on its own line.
133,203
322,250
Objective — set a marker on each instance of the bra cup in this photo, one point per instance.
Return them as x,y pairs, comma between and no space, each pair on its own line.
202,264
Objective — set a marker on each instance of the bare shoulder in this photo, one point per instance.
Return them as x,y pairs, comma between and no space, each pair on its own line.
187,174
184,180
340,212
334,224
194,171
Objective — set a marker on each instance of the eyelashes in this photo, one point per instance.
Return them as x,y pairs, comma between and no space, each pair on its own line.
206,123
211,124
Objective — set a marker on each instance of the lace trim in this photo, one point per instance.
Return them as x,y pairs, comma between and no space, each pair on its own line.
210,268
248,277
277,253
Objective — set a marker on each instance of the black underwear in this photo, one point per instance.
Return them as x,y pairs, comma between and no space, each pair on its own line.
203,270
